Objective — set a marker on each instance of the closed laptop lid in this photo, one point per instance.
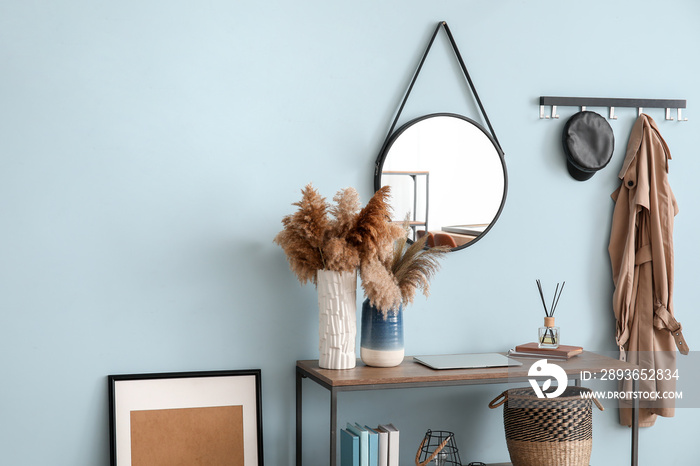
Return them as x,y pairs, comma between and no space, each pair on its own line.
466,361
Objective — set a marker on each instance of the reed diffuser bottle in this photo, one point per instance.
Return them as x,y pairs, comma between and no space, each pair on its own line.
549,335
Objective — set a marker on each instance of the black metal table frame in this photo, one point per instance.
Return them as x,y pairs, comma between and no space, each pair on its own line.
414,175
334,390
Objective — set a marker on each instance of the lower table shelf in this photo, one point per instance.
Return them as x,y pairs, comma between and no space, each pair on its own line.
410,374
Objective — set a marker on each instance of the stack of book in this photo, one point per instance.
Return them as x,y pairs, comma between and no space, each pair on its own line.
532,350
366,446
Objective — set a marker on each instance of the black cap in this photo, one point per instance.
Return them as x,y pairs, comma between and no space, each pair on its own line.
588,144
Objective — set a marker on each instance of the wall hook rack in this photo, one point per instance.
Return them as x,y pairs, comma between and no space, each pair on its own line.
612,103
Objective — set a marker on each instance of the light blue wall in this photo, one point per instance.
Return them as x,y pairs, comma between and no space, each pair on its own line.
149,149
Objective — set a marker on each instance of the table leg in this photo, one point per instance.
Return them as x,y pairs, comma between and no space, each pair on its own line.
298,419
334,425
427,201
635,423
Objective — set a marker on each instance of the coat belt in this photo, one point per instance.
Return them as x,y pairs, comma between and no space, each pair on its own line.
663,319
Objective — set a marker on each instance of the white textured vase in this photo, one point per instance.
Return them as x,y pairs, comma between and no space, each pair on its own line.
337,329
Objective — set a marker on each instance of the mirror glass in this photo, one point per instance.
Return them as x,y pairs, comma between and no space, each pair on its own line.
448,174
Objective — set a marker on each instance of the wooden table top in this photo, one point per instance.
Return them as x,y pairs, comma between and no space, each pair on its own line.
411,372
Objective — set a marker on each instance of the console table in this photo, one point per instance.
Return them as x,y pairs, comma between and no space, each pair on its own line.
410,374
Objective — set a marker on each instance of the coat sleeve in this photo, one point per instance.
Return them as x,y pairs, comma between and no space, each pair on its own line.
621,250
630,199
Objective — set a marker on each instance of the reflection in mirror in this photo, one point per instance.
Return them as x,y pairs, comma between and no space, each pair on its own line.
448,173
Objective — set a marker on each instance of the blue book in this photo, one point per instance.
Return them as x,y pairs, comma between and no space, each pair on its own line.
349,448
373,446
364,442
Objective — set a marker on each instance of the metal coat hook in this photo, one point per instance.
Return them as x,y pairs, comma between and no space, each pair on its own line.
680,118
612,114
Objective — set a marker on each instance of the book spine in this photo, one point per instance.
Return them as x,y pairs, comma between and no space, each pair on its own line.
364,445
383,447
349,448
373,446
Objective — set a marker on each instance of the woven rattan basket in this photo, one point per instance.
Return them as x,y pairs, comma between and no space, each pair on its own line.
547,431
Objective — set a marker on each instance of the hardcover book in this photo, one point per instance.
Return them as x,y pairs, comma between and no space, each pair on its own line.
373,446
393,457
563,351
349,448
362,433
383,446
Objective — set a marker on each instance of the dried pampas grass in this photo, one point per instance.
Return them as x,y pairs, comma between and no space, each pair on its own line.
304,233
335,236
391,282
345,210
415,267
342,237
379,285
372,227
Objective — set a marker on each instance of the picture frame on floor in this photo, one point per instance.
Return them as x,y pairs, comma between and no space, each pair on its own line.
160,419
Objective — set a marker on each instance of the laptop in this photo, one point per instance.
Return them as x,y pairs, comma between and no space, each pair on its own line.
466,361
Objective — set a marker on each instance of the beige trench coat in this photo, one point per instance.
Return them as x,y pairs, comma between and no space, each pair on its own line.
641,254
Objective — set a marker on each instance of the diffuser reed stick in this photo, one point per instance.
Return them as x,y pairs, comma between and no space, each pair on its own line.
549,313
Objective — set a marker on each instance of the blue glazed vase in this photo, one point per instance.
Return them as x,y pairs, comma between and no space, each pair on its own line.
381,340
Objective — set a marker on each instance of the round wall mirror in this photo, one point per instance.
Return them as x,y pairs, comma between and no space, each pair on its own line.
446,173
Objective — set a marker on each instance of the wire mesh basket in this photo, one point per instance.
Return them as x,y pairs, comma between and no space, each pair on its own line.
439,447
